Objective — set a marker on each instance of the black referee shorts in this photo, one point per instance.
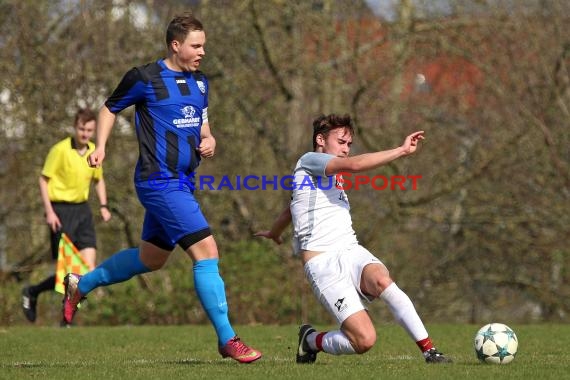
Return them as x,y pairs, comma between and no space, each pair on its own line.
77,223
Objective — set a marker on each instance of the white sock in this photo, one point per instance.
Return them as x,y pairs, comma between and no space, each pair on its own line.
404,311
334,342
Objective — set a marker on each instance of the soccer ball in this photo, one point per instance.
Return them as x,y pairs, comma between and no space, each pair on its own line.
496,343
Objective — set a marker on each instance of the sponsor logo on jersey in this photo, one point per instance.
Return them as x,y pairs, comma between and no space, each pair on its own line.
189,120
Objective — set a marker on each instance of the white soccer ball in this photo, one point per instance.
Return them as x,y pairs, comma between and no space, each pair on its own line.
496,343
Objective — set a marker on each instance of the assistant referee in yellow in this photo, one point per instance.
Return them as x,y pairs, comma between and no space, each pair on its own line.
65,182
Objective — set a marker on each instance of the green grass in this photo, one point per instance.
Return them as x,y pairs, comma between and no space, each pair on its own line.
189,352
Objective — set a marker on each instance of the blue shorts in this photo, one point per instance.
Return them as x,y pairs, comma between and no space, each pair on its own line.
173,216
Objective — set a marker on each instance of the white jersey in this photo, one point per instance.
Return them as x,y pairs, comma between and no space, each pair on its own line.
320,209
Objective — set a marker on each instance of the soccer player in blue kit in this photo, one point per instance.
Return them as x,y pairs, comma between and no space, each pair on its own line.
171,118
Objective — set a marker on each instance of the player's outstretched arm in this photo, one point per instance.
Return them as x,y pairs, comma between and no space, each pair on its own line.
279,225
367,161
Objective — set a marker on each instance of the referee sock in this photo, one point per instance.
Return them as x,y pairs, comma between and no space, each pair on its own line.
118,268
212,295
44,286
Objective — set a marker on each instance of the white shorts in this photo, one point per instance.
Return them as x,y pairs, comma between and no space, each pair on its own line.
335,279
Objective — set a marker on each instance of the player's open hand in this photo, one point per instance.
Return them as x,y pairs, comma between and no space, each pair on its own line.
268,235
96,158
411,142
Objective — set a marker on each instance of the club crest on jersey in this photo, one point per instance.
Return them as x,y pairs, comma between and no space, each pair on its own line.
189,120
188,111
201,86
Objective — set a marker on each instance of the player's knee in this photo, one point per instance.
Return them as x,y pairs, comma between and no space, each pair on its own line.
153,257
378,286
153,262
364,340
375,279
365,343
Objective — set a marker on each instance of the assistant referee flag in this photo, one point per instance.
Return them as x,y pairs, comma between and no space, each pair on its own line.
68,261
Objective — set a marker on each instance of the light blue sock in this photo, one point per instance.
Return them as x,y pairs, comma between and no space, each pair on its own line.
117,268
212,294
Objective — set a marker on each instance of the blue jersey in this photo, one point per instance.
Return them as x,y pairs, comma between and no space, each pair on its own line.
169,112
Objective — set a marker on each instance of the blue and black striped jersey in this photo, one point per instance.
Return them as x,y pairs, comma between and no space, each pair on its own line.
170,108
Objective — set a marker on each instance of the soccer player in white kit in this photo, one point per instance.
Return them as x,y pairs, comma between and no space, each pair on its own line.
343,274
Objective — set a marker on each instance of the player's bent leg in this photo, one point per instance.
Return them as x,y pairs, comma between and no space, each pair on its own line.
360,331
357,335
404,312
312,342
117,268
406,315
153,256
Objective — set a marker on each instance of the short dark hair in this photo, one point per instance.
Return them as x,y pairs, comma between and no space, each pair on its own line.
323,125
180,26
84,115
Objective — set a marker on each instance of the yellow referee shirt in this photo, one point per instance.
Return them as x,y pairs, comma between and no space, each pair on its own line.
69,173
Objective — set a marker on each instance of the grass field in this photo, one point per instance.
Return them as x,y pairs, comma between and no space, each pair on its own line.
189,352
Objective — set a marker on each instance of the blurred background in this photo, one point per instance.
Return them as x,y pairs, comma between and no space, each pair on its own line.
484,237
